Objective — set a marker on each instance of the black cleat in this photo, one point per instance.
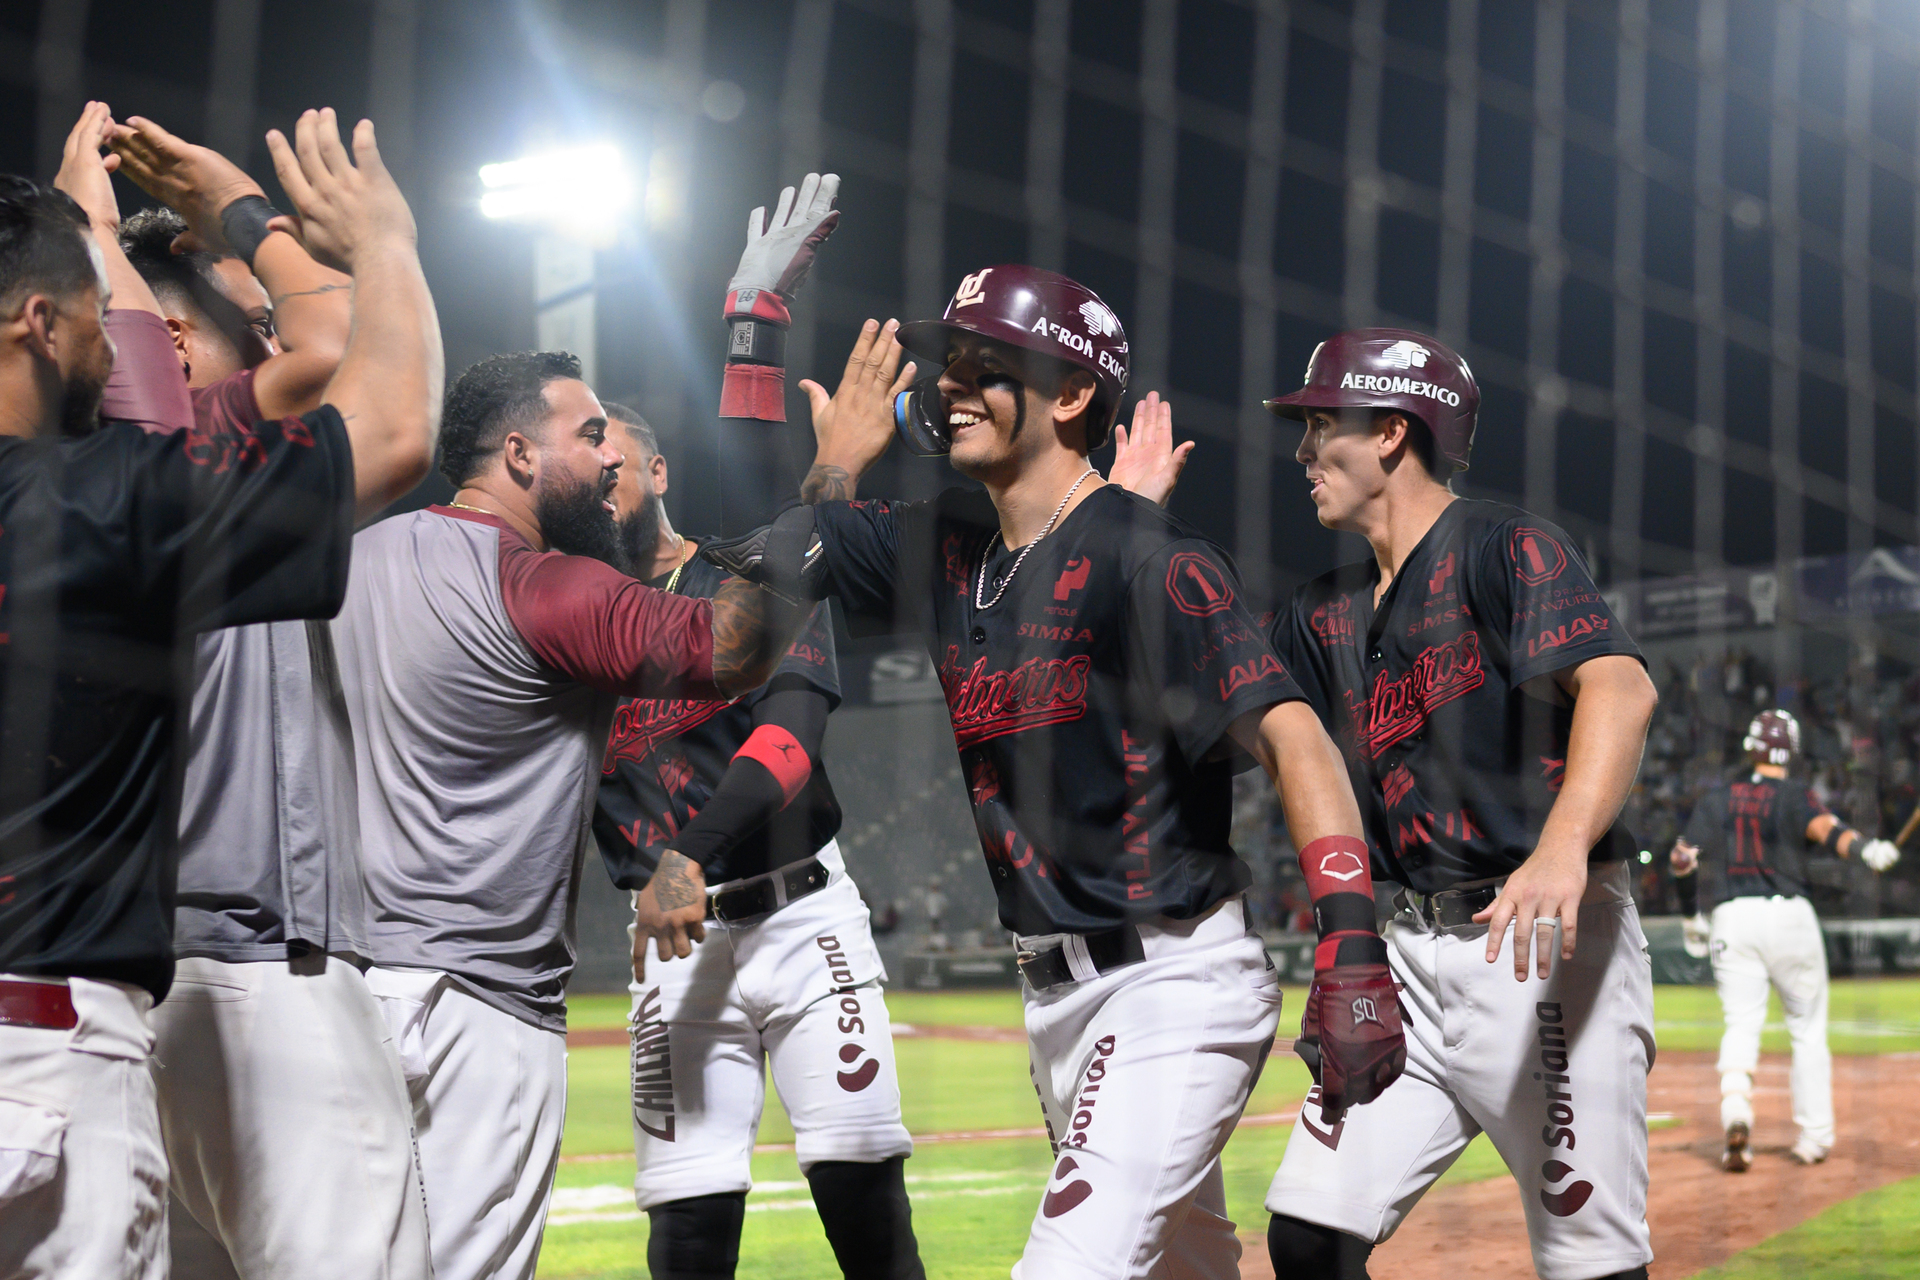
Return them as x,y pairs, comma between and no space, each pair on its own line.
1739,1155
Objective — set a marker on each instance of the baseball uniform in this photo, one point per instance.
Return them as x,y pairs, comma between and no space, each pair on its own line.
1090,703
1752,835
288,1131
114,548
480,678
786,990
1442,702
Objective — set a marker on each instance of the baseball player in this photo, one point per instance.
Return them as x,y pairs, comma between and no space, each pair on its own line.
1492,712
788,975
287,1124
1103,679
1747,836
117,543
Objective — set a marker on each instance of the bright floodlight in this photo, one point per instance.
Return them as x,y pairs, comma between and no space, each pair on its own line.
584,189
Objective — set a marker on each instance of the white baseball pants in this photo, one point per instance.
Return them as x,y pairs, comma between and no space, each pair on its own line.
1143,1074
83,1175
798,992
1757,942
287,1125
489,1096
1554,1072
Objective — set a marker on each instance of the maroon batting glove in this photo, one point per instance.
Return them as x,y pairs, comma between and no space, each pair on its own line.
1352,1025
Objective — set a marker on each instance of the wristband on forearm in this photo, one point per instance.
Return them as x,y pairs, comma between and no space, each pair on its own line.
244,223
1342,891
1835,834
755,382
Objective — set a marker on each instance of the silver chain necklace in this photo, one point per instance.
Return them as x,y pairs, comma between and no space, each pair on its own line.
981,606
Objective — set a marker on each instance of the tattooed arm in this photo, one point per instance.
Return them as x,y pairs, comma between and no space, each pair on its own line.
669,911
853,427
752,631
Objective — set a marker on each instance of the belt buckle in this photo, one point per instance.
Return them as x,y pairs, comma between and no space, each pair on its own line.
1453,909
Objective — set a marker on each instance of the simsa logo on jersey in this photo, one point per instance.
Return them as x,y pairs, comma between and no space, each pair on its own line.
1399,387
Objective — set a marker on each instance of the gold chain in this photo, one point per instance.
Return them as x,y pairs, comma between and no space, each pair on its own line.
686,554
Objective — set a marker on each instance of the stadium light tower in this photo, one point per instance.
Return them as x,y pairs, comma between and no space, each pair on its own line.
576,200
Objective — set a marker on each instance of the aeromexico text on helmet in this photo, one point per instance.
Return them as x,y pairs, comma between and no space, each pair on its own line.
1388,385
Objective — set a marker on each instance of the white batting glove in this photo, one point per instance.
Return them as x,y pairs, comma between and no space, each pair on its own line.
1695,934
1880,854
780,250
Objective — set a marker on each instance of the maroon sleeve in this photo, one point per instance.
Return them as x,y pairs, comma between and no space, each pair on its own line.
227,403
604,629
147,386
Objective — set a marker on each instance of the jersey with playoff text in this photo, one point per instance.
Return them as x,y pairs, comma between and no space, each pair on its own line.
1090,704
666,756
1455,765
1752,837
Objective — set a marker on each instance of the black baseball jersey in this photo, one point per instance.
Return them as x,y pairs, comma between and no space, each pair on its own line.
114,550
1752,837
666,756
1455,766
1090,704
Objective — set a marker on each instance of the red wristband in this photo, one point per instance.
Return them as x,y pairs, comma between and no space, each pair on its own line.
1336,864
782,756
758,304
756,391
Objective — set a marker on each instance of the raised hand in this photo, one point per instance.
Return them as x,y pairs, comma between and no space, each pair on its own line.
197,182
854,425
349,206
780,250
85,173
1146,461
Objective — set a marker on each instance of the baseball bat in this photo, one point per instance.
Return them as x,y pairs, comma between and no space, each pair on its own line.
1906,832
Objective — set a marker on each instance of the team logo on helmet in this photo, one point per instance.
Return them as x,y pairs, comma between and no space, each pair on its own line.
1099,320
1405,355
972,288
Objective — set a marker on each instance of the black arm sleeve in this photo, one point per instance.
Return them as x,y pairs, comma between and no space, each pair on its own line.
749,795
760,469
1688,887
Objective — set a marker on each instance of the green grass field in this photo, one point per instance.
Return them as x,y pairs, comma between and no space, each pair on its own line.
973,1199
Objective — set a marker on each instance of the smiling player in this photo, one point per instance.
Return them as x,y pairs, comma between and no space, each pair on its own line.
1104,682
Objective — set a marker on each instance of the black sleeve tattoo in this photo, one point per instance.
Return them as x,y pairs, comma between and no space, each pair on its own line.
826,484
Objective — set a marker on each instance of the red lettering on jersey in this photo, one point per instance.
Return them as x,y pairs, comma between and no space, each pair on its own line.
1537,558
224,447
1332,622
675,771
1242,674
1418,837
640,725
1396,785
1073,577
1135,838
1567,633
1441,572
296,432
1197,586
1041,631
1397,709
1554,771
985,704
983,781
953,553
807,653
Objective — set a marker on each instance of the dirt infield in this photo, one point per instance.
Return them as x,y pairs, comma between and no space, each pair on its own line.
1700,1216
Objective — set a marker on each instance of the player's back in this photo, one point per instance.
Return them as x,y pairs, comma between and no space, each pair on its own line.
476,763
1751,831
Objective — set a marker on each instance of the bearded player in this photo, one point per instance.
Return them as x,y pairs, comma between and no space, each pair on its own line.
787,975
1748,837
1103,678
1492,712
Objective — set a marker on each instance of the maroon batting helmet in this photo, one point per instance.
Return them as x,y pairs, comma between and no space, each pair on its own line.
1039,311
1392,369
1774,736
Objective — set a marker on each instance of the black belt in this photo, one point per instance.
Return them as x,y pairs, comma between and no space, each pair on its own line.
1107,951
1452,910
764,895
